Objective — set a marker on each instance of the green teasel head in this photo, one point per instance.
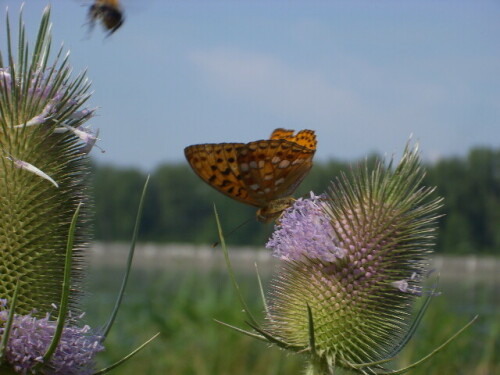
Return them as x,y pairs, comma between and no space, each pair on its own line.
43,169
352,264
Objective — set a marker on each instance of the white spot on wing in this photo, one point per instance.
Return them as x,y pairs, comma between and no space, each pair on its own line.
284,164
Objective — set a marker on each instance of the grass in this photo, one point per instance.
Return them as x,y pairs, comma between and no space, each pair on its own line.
182,306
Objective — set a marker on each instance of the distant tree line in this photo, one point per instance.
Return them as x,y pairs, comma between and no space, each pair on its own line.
179,206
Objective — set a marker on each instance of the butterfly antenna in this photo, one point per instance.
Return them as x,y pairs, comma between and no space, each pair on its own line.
217,243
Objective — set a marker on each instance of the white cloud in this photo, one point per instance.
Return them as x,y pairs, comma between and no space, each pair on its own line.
273,84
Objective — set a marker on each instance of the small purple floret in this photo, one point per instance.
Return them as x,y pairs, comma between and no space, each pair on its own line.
5,77
412,285
305,232
30,337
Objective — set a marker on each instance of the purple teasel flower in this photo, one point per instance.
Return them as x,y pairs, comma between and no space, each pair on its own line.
352,263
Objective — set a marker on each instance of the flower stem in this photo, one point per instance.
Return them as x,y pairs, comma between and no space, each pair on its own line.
315,367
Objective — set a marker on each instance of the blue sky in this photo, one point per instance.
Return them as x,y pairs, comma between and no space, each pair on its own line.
363,74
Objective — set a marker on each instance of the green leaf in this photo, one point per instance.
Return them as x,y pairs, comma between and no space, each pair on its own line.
129,262
63,307
8,325
231,271
127,357
261,289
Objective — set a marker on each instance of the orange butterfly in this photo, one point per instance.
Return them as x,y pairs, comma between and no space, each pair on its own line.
263,173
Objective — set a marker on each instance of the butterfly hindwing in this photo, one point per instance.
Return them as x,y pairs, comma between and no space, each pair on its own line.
273,168
215,163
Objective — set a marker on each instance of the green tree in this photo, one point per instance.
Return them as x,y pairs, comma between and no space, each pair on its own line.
116,196
179,206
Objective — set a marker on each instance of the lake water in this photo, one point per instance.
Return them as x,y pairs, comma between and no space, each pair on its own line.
464,280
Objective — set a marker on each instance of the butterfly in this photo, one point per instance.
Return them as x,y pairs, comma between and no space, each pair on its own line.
262,173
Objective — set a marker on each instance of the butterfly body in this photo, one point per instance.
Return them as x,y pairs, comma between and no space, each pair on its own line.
274,209
262,173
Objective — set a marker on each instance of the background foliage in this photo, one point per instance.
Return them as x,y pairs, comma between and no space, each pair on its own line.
179,206
182,305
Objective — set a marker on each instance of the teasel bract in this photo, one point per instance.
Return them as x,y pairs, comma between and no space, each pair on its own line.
353,262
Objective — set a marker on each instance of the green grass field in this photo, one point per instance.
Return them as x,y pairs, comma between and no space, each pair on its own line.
183,306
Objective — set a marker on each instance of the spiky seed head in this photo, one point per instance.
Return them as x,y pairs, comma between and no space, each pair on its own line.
42,170
356,258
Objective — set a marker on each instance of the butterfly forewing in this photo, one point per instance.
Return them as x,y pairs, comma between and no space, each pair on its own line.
216,165
273,169
281,133
305,137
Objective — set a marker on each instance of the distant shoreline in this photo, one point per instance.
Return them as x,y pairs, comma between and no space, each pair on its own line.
184,256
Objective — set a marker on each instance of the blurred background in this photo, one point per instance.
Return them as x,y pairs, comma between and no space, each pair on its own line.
364,75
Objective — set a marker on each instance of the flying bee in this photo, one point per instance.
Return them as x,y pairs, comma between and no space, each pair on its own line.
109,12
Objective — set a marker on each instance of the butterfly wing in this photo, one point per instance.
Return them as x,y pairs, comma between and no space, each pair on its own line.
216,164
306,137
282,133
272,169
257,173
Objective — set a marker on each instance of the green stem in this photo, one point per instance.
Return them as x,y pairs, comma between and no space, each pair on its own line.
7,370
317,368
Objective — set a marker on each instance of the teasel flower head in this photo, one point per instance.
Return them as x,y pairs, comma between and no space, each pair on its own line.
43,168
352,264
43,220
